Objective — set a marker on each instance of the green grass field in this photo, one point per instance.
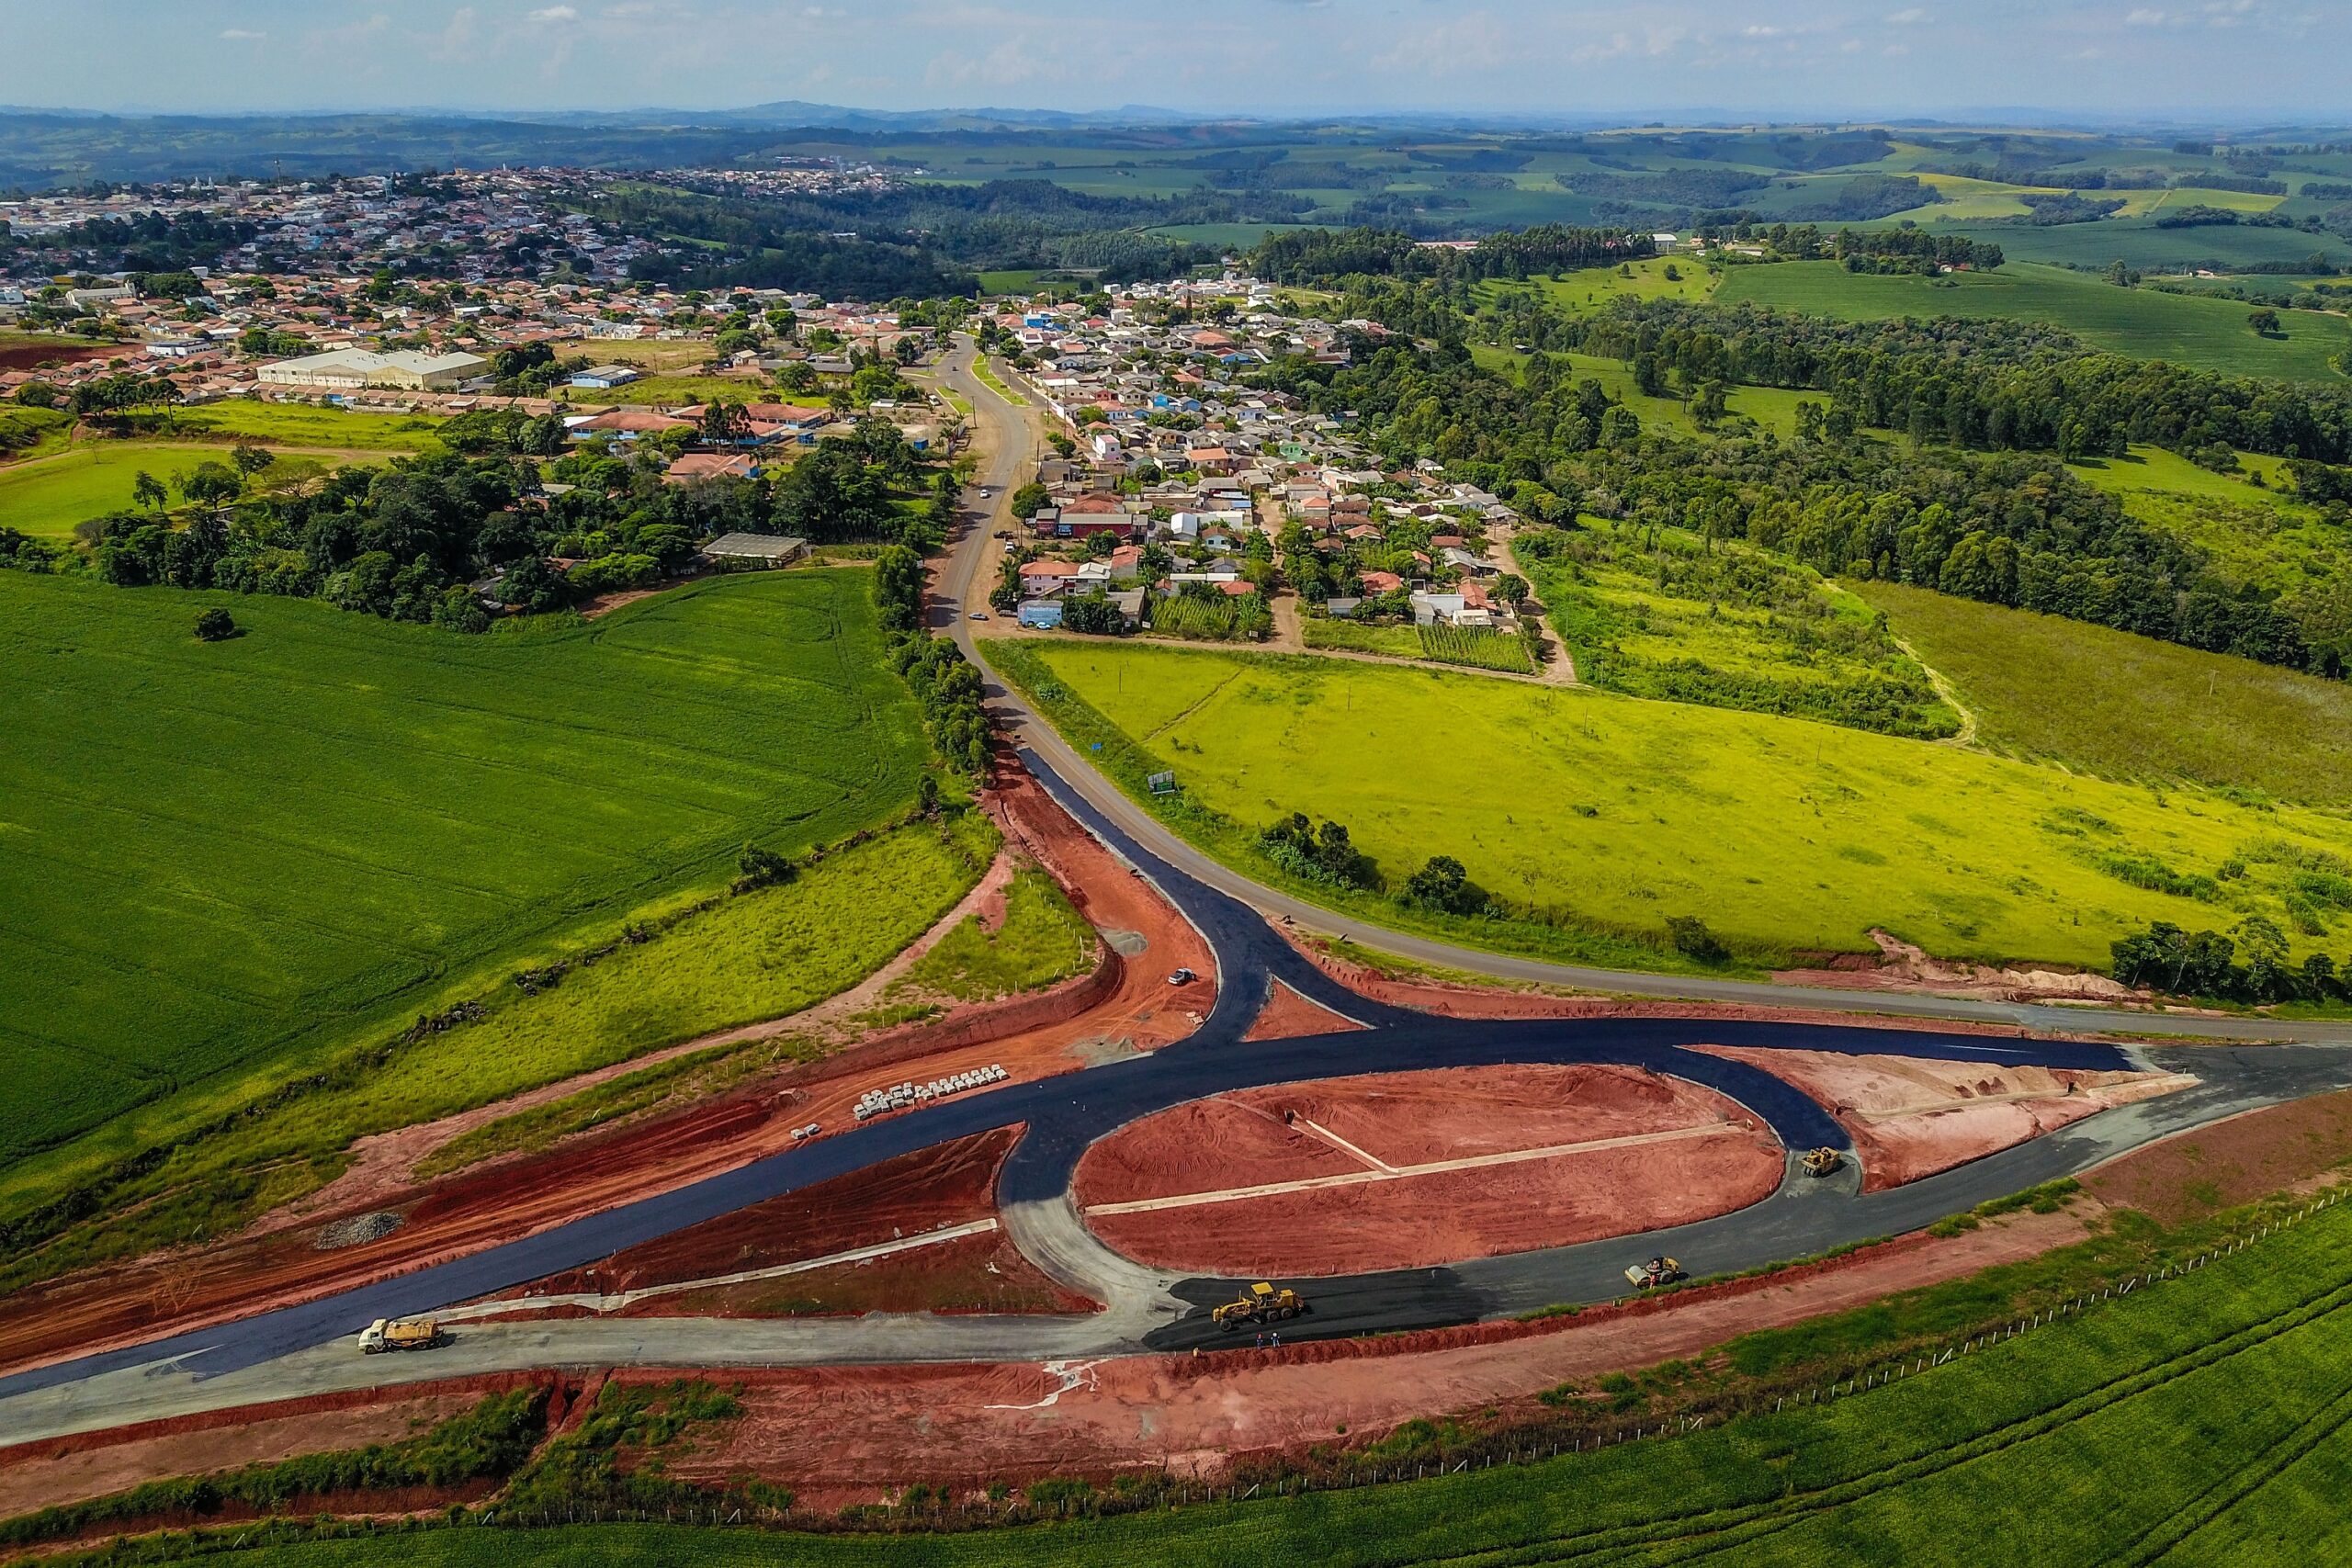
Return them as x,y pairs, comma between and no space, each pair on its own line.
2137,242
221,862
2201,1419
2211,334
1611,813
1597,288
2132,708
1773,407
1327,632
671,391
1042,941
302,424
48,496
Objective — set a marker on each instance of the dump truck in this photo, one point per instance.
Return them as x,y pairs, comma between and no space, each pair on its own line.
1822,1162
1660,1270
401,1334
1259,1303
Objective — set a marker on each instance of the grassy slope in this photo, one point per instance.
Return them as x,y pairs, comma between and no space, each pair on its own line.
2208,333
1773,407
2254,533
219,859
301,424
1617,813
2134,707
1042,941
2201,1419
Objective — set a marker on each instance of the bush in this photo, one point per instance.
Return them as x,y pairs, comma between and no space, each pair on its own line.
1695,940
215,625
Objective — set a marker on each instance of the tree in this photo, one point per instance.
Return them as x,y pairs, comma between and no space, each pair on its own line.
147,490
898,588
1443,886
1029,499
1691,938
2265,321
215,625
212,484
1511,588
250,459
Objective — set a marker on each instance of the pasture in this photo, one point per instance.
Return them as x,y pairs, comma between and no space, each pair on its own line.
307,425
1583,811
1598,288
1771,408
2210,334
2134,707
47,496
223,862
2252,533
2124,1432
2139,242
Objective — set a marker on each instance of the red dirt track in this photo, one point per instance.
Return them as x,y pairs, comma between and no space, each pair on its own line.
1314,1132
1911,1117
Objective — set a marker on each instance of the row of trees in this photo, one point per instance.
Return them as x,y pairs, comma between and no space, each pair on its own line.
1323,255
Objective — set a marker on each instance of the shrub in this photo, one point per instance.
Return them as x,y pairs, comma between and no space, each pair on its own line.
215,625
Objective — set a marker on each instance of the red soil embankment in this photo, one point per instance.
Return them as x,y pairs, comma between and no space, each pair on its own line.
53,1470
839,1435
1911,1116
948,1184
2232,1162
1365,1148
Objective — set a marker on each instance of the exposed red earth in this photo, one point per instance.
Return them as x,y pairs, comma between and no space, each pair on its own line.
840,1435
1911,1117
2232,1162
1287,1016
1403,1170
949,1187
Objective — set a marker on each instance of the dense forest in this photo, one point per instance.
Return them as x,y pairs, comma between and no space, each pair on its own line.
1323,255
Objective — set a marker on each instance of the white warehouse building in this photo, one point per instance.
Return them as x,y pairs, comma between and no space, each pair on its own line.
346,368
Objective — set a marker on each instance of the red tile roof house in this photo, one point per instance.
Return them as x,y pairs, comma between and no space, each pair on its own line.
711,466
1382,582
626,426
1042,579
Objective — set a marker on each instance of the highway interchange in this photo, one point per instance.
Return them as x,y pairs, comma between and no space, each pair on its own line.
307,1349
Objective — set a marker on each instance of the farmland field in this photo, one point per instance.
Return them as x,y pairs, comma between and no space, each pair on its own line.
1327,631
2134,707
1586,811
2210,334
225,859
1478,647
49,495
2125,1433
1597,288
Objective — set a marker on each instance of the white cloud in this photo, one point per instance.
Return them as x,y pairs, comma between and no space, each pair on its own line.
243,35
555,14
1910,16
1759,30
2145,18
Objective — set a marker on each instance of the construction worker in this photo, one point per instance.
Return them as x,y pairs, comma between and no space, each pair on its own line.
1278,1338
1261,1339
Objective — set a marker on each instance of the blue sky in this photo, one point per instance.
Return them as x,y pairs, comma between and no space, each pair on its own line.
1703,59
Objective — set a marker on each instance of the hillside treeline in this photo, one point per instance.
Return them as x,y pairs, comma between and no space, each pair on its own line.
2004,527
1322,255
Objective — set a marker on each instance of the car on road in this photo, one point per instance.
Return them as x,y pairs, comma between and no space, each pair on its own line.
986,491
978,615
1182,977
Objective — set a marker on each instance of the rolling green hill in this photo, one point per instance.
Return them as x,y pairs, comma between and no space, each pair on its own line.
2210,334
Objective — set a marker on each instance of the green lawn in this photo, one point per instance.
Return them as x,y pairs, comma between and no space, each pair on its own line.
221,863
47,496
2199,1419
673,392
2131,706
2211,334
1605,813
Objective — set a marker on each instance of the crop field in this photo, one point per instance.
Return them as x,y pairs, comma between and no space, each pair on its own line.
222,860
1660,614
2134,707
2211,334
2125,1433
1221,619
48,496
1478,648
2137,242
1584,810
